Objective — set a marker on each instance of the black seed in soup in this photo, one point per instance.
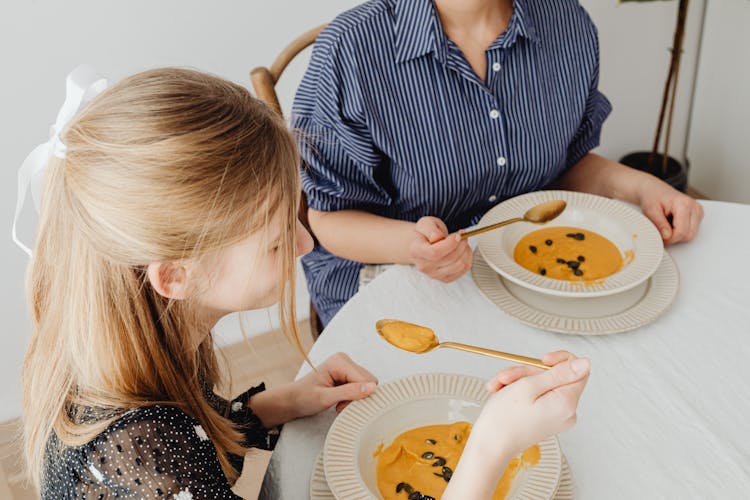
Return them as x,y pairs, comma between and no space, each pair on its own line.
404,487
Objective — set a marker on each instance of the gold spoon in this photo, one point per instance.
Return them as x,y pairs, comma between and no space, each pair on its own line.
539,214
420,339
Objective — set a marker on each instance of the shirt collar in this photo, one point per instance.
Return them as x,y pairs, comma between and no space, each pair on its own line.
418,29
521,24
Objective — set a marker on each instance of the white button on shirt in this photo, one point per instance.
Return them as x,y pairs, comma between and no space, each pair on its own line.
494,114
493,198
496,66
501,161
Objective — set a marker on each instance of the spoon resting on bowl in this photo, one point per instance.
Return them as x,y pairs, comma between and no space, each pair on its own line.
538,214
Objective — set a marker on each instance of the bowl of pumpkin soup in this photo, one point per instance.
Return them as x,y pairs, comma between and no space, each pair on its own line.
596,247
405,441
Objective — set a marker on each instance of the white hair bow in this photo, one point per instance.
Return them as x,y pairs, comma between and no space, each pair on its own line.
82,85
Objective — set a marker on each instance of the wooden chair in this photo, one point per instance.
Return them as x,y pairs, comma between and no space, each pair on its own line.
264,83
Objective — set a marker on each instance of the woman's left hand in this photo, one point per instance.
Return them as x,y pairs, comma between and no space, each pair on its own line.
660,202
337,381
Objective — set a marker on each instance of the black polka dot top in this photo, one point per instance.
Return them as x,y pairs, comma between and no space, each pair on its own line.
152,452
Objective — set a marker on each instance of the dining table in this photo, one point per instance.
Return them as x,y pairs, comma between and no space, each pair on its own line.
666,411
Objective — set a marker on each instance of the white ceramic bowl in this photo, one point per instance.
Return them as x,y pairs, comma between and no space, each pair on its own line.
404,404
626,227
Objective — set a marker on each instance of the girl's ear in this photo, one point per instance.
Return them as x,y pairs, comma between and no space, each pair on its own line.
169,279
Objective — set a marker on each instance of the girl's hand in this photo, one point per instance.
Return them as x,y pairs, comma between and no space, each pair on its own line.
438,254
660,201
337,381
528,405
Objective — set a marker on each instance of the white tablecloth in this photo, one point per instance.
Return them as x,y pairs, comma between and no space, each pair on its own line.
666,413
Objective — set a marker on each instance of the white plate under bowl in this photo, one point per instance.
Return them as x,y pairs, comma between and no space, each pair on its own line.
404,404
618,313
627,228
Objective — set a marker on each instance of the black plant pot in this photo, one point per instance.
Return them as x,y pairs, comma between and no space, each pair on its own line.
677,173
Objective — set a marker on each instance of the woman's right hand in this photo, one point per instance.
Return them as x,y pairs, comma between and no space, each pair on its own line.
527,406
438,254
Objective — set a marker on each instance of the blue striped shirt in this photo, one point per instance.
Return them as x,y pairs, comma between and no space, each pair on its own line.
397,123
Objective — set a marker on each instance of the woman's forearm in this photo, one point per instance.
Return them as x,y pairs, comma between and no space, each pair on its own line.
363,237
598,175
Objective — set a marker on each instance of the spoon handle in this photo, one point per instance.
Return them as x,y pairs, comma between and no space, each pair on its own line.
496,354
484,229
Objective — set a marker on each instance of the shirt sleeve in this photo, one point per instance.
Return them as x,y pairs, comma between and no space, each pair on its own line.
597,110
341,165
159,453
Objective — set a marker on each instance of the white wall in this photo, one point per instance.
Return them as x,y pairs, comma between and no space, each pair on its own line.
42,40
719,149
634,39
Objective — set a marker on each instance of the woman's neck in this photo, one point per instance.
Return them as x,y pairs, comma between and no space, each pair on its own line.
473,25
472,15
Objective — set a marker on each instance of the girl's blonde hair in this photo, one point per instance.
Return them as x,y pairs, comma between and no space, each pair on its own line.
167,164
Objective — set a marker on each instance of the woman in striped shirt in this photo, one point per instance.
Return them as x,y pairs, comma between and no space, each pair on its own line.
420,115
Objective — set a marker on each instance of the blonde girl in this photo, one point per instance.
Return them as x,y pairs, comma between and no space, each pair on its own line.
168,202
173,205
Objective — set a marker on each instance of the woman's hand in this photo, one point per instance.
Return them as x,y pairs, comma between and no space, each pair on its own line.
527,405
438,254
661,202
